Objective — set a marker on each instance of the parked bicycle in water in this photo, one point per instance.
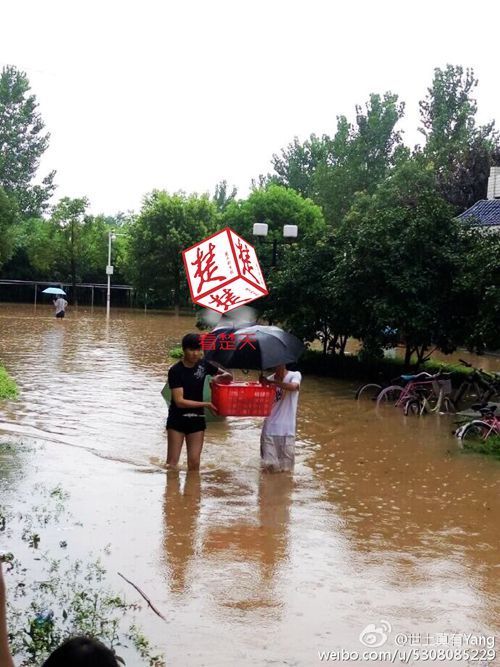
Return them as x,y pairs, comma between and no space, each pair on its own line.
478,430
422,393
371,390
479,386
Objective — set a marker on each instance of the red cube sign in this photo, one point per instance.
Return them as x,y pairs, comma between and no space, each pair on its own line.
223,272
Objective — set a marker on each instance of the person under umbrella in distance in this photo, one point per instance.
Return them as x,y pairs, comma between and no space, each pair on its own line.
277,440
60,305
186,418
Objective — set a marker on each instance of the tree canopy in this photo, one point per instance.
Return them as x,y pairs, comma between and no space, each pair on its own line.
460,151
167,225
22,144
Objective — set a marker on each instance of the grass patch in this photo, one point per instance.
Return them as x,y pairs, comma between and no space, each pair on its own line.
8,388
490,446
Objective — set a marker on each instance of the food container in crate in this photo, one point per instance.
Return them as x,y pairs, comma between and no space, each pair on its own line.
243,399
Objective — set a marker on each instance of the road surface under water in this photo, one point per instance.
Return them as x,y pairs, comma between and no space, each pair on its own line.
384,519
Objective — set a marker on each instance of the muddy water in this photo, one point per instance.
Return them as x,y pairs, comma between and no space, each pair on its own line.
384,518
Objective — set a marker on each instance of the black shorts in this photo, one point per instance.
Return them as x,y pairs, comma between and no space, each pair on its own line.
186,425
60,314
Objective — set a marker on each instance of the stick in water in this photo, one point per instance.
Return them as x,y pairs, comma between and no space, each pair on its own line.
144,596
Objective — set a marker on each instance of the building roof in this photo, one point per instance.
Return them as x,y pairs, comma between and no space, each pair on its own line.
486,212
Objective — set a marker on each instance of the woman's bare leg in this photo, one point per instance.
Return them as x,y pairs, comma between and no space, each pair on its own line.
174,447
194,444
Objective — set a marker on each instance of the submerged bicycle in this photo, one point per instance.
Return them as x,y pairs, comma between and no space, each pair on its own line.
481,429
436,400
422,392
479,387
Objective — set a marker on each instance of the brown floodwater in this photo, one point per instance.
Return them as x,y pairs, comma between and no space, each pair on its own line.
385,518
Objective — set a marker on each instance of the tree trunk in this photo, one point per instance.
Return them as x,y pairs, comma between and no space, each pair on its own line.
421,356
408,353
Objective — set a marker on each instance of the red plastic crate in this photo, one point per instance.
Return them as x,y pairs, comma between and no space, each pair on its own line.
242,399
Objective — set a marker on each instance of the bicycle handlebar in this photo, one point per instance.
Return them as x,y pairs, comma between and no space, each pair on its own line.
480,371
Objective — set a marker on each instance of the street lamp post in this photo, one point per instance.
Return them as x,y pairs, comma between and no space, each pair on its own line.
289,232
109,270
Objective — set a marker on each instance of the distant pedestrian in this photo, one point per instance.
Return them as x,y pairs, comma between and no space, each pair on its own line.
60,305
277,440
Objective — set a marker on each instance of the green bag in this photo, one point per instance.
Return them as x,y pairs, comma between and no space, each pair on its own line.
166,392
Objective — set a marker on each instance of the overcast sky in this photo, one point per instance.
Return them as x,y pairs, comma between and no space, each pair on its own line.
180,95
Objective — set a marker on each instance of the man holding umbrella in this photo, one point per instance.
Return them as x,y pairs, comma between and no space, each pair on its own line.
60,304
268,347
277,439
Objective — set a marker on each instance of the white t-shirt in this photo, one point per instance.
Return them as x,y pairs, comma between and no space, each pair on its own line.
281,421
60,304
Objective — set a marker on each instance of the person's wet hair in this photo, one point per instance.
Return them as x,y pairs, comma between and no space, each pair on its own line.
191,341
82,652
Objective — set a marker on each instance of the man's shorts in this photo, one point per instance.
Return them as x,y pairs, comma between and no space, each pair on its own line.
185,424
60,314
277,452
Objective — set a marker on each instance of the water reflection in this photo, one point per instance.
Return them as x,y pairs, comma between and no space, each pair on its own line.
181,509
232,532
257,539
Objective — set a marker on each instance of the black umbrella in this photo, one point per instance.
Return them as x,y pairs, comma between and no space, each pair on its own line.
219,343
258,347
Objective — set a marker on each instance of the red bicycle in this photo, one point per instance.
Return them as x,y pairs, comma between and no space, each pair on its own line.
416,386
480,429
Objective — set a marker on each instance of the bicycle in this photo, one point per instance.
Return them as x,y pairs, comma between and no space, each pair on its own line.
480,429
423,402
479,386
371,390
398,395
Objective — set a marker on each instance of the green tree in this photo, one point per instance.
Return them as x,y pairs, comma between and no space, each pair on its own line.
297,164
38,246
403,256
222,197
478,288
304,298
460,152
358,157
68,216
22,144
167,225
362,155
8,218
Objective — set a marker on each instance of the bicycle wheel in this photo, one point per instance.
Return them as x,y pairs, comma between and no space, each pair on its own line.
412,407
468,394
390,395
475,431
368,391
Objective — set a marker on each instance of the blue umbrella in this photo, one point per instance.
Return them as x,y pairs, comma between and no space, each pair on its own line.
53,290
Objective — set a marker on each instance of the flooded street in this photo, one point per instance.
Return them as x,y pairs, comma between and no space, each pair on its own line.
384,519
